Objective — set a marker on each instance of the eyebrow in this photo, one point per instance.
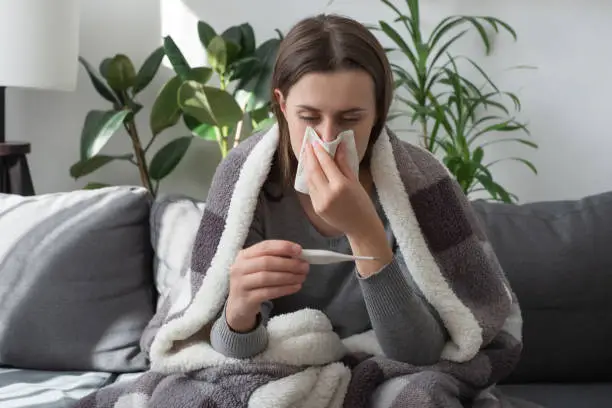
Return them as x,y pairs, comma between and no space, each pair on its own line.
312,108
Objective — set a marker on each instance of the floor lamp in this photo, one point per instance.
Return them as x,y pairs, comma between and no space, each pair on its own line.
39,45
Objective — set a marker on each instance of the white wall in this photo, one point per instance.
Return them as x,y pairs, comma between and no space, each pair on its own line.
566,100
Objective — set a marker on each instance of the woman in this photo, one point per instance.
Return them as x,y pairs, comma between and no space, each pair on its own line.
449,336
331,74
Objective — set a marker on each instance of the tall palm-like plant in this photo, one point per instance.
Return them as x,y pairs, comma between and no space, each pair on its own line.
450,111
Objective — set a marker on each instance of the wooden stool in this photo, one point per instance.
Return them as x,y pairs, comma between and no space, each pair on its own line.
15,175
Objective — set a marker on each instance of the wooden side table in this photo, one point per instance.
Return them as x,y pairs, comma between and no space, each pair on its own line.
15,175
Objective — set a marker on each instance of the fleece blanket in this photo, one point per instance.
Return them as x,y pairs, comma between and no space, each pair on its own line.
306,364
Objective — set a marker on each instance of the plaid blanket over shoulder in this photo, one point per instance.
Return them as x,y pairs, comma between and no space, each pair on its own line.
306,364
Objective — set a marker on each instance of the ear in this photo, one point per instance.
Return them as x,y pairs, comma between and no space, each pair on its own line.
280,99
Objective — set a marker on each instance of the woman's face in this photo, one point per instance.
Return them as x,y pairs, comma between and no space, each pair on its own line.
330,103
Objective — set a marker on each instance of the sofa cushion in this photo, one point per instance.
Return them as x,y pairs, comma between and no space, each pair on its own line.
48,389
175,220
562,395
558,258
75,280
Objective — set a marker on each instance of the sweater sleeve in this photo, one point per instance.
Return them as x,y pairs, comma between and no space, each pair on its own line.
406,325
241,345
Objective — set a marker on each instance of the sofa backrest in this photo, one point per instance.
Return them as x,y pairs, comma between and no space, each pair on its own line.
558,258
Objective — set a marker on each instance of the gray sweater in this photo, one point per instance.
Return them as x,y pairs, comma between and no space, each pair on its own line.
406,326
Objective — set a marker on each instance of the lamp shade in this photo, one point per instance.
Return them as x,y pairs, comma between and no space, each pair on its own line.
39,43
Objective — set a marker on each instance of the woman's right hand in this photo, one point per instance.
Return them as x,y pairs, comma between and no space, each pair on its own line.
265,271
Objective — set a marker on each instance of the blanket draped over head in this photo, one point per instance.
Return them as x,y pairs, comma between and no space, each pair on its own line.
305,363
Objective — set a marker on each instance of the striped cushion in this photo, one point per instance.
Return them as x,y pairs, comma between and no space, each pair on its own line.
174,223
47,389
75,280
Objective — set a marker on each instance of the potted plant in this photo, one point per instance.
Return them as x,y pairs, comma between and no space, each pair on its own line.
217,113
118,82
240,104
453,115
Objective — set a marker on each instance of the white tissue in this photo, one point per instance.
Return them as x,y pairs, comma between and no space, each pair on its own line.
311,135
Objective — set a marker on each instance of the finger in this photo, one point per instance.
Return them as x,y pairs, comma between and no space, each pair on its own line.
276,264
343,163
316,176
267,279
263,294
327,164
272,248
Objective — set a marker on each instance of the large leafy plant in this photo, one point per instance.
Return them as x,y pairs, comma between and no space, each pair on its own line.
240,104
454,115
118,83
226,113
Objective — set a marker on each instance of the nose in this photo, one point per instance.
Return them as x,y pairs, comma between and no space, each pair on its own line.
327,130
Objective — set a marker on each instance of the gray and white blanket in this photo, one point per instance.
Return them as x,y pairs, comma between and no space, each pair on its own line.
306,364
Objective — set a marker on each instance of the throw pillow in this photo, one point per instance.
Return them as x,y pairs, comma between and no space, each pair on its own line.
76,285
175,220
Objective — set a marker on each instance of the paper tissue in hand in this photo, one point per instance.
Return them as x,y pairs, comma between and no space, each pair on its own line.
310,136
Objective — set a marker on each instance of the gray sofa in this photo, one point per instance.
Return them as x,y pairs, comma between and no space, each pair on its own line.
80,273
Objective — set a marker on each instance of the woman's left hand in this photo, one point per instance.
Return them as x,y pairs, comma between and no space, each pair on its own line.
336,193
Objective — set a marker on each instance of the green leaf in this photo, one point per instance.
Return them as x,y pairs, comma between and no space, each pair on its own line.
98,128
397,39
209,105
94,185
217,54
413,6
496,191
395,115
445,48
483,33
494,21
518,159
200,74
233,40
478,155
98,83
244,68
168,157
483,73
443,27
507,126
488,184
206,33
259,84
87,166
149,69
165,112
104,67
506,197
506,140
233,53
120,73
264,124
406,20
260,114
178,61
233,34
201,130
247,43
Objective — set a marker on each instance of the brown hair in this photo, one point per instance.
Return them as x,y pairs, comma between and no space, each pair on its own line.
327,43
